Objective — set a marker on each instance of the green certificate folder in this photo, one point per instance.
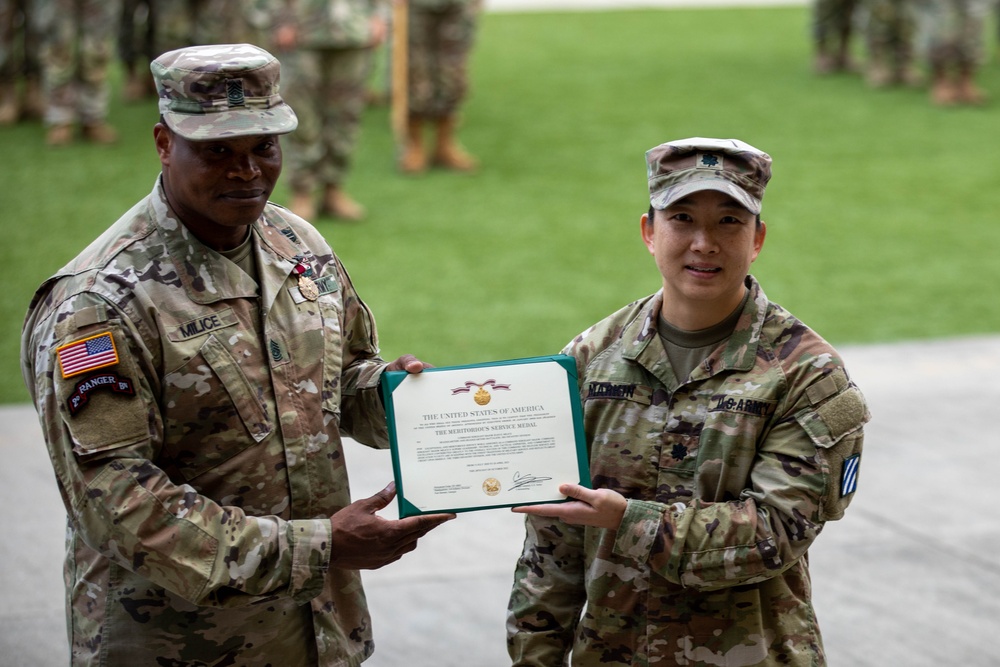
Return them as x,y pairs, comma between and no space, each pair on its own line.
482,436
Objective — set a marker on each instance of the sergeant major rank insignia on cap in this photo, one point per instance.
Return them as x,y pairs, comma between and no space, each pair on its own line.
234,92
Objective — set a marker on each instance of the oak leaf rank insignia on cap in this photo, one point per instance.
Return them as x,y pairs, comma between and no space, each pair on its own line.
677,169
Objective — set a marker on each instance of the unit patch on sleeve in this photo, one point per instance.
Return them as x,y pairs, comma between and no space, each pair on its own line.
87,354
101,382
849,477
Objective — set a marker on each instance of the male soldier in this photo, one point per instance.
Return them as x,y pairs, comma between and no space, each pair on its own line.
441,34
327,48
77,48
737,435
193,370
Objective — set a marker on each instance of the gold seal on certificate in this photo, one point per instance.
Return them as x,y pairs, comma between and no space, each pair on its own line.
491,435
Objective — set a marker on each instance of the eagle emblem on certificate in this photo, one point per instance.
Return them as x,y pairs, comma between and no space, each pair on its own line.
482,396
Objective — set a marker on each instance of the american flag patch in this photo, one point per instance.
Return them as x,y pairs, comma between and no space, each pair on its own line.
849,478
87,354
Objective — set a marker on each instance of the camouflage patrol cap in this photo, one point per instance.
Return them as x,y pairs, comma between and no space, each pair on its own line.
221,91
678,168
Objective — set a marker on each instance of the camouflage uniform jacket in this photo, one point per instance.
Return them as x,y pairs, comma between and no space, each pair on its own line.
200,463
730,475
325,24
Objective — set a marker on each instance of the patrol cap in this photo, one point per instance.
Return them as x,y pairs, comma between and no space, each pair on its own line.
678,168
221,91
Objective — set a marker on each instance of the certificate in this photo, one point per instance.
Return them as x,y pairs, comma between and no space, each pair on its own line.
477,437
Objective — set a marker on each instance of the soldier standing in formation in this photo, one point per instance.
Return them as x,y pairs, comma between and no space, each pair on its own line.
20,63
151,27
832,29
194,371
890,37
77,48
723,433
441,35
952,39
137,47
327,51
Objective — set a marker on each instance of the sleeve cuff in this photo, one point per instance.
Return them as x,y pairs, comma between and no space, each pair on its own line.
638,530
310,543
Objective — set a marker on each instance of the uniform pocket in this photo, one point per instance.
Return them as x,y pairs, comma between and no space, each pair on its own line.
210,412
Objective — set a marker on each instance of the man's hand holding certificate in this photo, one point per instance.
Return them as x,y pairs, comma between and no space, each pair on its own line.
489,435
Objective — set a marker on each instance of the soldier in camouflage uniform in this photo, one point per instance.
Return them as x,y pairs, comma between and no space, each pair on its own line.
723,433
951,36
173,24
832,28
441,34
194,370
20,64
77,48
137,46
890,37
327,49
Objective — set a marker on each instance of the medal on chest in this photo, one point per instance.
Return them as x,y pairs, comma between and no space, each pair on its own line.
307,286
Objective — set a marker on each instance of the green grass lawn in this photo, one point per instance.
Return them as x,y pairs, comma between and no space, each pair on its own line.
881,213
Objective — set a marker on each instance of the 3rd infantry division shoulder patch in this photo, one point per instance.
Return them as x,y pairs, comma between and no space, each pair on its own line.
849,477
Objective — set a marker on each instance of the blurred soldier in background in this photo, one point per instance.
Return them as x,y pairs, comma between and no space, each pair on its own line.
137,47
952,40
832,26
20,67
326,48
890,34
151,27
198,22
441,35
77,46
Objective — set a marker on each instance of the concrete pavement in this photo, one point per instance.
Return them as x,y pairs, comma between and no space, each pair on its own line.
909,578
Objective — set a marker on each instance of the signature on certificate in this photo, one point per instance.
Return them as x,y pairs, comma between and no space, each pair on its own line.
527,480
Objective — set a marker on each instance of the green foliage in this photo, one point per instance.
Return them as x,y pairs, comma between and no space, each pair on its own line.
879,214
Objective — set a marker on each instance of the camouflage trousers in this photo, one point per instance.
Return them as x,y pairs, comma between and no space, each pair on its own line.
831,18
137,32
182,23
440,41
951,31
890,29
77,47
19,42
326,87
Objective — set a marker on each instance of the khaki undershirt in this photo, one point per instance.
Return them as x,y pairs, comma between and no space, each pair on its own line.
687,349
243,257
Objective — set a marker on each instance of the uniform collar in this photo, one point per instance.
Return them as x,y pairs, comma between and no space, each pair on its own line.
205,278
641,343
